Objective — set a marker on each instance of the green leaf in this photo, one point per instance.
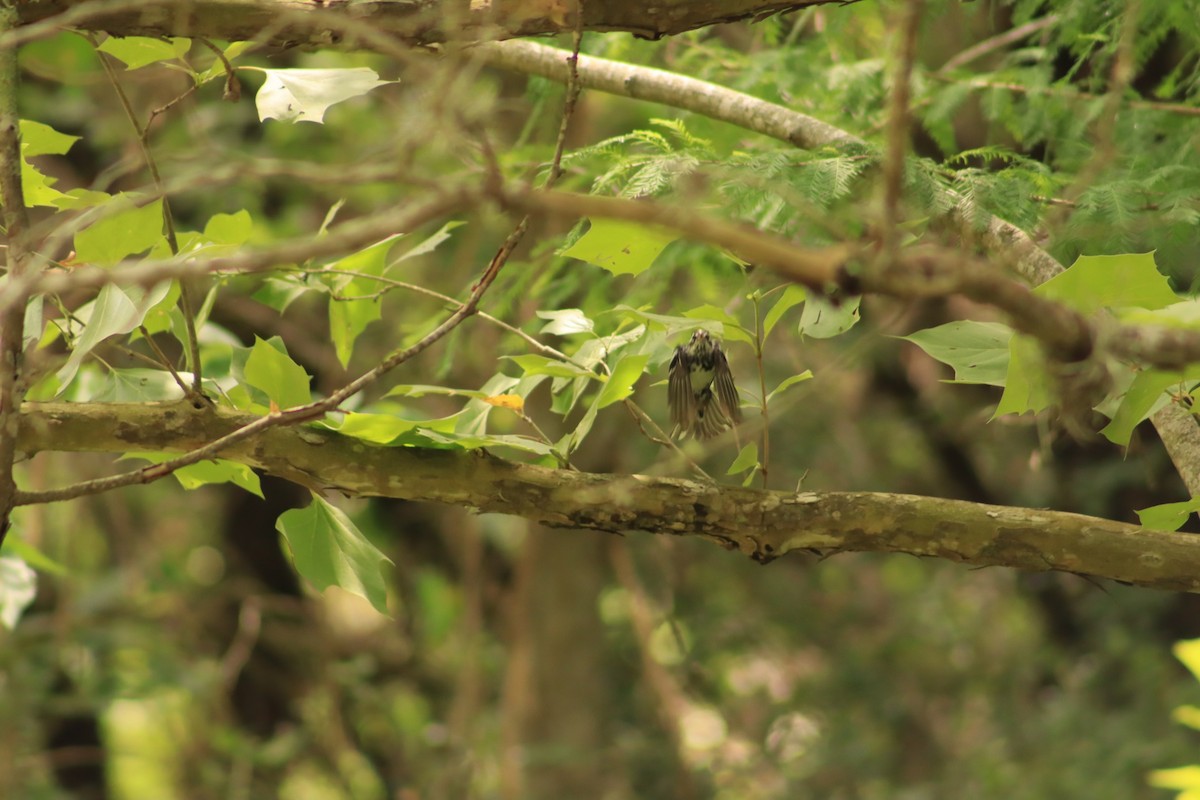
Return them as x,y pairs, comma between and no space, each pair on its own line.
203,473
1144,396
1168,516
39,139
566,322
622,248
134,385
790,381
823,320
141,51
377,428
357,307
747,458
303,95
477,441
114,311
584,427
1096,282
1027,387
329,550
1184,314
793,294
271,371
620,384
393,429
541,365
229,229
122,234
430,244
18,588
978,351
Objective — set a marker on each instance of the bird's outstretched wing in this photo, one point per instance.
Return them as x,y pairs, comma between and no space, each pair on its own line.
724,388
679,392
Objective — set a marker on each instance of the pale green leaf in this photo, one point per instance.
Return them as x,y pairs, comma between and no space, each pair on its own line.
271,371
329,550
114,311
141,51
1096,282
477,441
1168,516
747,458
204,473
1184,314
1188,651
541,365
1145,395
566,322
977,351
823,320
430,244
620,384
788,382
39,139
792,295
303,95
229,229
357,305
125,233
622,248
1027,387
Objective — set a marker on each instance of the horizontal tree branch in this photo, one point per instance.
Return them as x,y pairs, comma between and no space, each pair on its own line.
323,23
761,524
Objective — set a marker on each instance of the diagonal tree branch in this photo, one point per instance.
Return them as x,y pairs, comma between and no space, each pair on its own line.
761,524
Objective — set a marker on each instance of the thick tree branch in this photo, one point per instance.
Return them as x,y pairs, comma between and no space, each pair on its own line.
16,228
321,24
760,524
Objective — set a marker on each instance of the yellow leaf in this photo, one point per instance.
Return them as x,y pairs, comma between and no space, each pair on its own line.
513,401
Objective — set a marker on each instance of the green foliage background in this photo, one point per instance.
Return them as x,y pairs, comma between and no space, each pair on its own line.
179,656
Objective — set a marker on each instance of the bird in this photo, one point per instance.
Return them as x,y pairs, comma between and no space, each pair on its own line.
701,394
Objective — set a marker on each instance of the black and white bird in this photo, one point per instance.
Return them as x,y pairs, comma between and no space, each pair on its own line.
701,393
